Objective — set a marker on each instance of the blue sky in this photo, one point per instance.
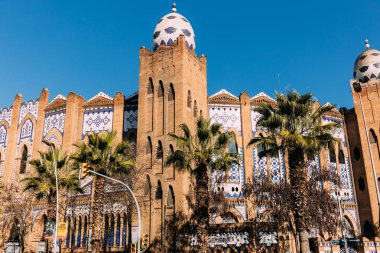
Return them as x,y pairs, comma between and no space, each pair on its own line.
87,46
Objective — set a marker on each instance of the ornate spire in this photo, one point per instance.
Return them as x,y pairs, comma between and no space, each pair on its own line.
367,46
174,7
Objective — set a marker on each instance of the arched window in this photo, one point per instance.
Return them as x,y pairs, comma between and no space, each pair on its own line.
233,148
160,90
111,230
24,159
201,113
171,95
368,230
160,152
124,233
68,232
361,184
158,190
341,157
149,151
118,220
79,231
195,109
14,233
106,231
372,136
189,99
84,237
170,201
357,153
332,155
73,233
150,86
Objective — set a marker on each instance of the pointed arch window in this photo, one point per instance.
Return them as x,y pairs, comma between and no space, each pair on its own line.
106,230
170,201
73,233
118,220
24,159
68,232
124,232
79,231
233,148
160,152
158,190
160,90
84,237
372,136
150,88
332,155
171,96
111,230
341,157
195,109
189,99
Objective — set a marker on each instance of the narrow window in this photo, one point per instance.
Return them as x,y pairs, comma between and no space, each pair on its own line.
341,157
160,90
117,244
24,159
73,233
111,231
160,152
372,136
171,95
195,109
158,190
332,156
106,230
170,202
357,153
124,233
79,231
361,184
150,87
189,99
68,232
84,232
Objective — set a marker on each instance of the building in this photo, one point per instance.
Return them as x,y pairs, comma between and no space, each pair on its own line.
173,90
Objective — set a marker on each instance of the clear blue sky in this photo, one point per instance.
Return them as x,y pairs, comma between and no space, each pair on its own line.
87,46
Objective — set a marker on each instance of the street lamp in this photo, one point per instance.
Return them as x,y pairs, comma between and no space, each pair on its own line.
341,219
56,190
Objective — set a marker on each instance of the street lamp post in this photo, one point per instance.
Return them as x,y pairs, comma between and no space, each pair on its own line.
341,219
56,190
134,199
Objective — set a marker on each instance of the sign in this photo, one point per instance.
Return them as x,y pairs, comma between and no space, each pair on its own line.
135,234
41,247
353,240
49,230
62,230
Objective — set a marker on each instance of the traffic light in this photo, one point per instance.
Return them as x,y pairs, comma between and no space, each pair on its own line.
84,170
145,241
133,248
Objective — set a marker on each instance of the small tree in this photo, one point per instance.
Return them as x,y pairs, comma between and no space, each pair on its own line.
16,210
274,212
294,126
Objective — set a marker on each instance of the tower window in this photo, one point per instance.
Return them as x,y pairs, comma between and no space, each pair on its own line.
24,160
341,157
332,156
171,95
160,90
170,202
357,153
361,184
195,109
372,136
160,152
158,190
189,99
150,87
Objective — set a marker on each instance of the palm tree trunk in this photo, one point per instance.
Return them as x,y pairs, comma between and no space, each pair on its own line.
51,207
97,214
298,177
201,212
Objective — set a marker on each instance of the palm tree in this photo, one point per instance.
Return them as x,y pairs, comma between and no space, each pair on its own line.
43,183
294,125
198,153
105,157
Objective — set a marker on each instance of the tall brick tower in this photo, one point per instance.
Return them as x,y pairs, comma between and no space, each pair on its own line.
172,90
363,122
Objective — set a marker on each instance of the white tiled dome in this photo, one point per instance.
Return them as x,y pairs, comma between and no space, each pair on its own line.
367,65
170,27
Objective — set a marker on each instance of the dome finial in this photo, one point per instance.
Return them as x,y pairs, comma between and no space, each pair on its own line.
367,46
174,7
